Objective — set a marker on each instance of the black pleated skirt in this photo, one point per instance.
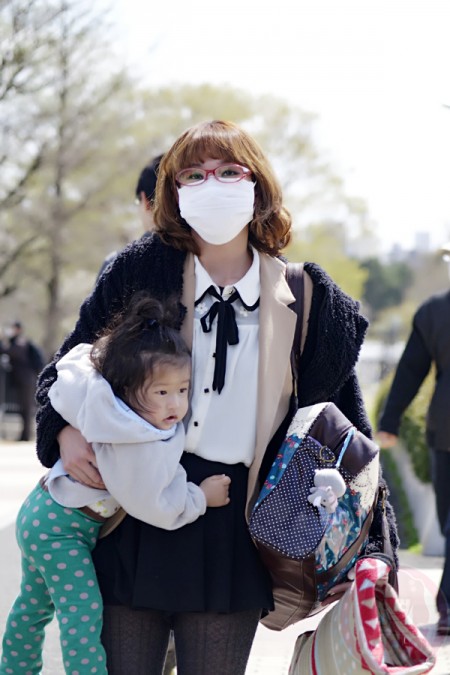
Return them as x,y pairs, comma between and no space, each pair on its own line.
210,565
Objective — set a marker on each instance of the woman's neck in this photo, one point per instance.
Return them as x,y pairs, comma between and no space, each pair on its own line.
226,264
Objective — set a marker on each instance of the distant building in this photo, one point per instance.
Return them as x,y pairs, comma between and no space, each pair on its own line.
422,242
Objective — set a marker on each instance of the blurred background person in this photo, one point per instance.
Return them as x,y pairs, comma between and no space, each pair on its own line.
428,345
145,195
25,361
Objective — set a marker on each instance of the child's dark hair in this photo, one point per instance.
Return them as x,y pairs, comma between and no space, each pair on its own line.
141,338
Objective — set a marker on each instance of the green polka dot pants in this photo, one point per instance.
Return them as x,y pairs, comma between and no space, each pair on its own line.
57,575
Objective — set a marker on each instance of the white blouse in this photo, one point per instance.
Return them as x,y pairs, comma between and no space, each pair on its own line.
222,427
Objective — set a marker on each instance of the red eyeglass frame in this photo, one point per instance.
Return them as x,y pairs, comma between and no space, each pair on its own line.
213,171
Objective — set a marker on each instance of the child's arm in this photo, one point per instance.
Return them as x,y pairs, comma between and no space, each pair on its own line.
149,482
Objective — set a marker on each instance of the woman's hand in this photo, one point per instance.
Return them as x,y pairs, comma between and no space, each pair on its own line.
216,490
78,458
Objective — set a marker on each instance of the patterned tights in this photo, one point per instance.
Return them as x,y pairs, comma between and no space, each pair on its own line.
136,641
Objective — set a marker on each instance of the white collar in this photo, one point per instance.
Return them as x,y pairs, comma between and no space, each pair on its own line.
249,287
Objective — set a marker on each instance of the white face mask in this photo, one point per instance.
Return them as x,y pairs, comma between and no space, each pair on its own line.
217,211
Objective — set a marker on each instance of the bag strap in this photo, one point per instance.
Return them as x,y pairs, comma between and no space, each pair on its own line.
295,279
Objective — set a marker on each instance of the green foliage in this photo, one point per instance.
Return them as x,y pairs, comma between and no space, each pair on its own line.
407,531
430,276
412,431
386,284
326,244
413,425
394,323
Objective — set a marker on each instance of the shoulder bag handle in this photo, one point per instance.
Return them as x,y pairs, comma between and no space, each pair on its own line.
295,279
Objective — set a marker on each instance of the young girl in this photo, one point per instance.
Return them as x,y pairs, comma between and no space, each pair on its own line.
127,394
220,227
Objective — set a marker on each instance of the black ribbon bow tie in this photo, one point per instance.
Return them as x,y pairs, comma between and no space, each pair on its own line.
227,330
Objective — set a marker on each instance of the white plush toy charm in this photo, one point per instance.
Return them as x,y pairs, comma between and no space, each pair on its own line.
329,486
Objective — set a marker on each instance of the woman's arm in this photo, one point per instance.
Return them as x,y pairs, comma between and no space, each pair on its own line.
79,458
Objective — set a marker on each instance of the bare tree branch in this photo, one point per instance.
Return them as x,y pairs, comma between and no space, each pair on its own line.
15,194
15,254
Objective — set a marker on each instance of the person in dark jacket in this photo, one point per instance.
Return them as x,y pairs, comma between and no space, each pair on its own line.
25,362
220,226
427,345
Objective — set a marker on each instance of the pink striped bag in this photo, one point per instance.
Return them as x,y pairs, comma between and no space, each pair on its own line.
366,632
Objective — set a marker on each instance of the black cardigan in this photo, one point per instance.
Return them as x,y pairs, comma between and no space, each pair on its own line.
327,366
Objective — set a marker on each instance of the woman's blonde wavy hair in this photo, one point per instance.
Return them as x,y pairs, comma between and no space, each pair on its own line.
270,229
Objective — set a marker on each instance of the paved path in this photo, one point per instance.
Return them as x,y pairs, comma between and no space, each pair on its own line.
271,654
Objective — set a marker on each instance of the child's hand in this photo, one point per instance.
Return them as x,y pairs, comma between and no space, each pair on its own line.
216,490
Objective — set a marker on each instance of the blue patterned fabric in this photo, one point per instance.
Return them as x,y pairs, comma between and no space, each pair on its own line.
286,521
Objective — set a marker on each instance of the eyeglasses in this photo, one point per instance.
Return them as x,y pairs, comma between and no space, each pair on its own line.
227,173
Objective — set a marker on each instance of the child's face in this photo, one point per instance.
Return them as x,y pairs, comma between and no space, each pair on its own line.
163,399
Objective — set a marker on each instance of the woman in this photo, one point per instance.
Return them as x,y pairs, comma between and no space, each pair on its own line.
220,225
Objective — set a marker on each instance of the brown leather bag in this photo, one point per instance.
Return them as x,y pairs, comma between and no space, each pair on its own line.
312,518
301,580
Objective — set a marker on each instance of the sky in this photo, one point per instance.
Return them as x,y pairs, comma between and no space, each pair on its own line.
376,74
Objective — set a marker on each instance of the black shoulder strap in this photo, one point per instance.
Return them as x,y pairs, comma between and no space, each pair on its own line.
295,279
